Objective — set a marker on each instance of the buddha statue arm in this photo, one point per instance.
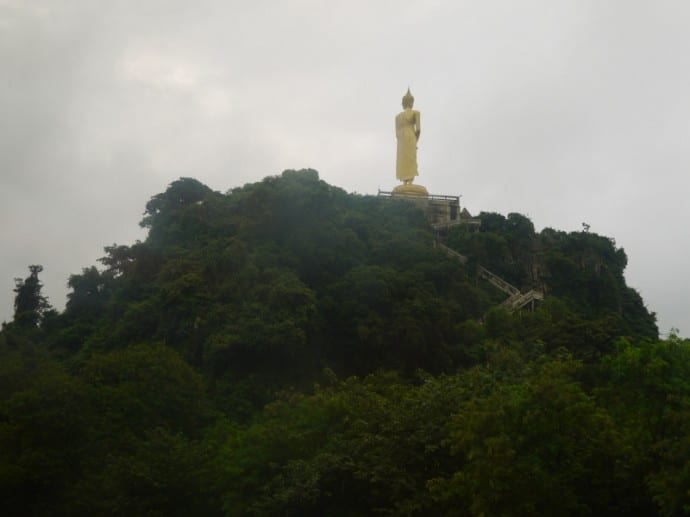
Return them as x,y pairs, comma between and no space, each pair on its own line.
417,124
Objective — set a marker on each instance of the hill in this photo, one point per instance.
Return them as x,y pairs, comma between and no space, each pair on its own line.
288,348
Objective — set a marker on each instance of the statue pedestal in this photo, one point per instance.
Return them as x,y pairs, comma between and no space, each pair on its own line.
410,189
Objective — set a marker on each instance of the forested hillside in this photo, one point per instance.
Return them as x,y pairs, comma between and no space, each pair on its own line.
287,348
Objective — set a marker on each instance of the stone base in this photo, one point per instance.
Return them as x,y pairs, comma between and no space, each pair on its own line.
410,189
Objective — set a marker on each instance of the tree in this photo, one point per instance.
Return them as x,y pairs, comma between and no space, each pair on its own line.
534,446
90,289
29,304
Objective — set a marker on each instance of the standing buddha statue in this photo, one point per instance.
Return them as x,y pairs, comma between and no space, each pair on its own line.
407,130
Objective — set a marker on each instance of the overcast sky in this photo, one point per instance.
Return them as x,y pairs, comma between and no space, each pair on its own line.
567,111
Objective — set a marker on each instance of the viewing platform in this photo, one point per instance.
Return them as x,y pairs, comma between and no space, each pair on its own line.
442,211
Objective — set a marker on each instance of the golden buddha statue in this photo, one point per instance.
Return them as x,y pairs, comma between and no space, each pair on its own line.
407,130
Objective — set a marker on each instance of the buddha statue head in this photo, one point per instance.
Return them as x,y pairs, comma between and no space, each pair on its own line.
408,100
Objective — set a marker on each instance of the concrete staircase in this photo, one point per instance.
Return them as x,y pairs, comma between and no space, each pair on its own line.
516,300
497,281
451,252
520,300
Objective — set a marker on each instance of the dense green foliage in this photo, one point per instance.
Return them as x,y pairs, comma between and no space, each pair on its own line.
290,349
